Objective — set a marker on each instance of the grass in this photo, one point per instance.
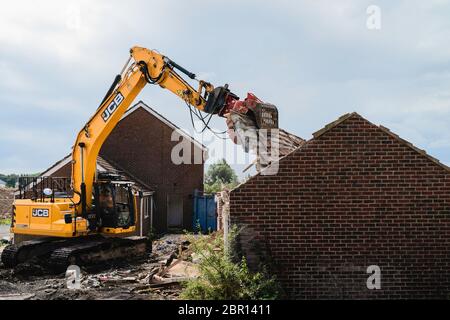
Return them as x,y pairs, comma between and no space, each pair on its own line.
6,221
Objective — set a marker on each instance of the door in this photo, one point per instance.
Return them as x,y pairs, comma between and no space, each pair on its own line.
146,214
174,210
205,216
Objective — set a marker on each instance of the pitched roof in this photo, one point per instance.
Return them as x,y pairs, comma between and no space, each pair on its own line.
288,142
103,165
57,165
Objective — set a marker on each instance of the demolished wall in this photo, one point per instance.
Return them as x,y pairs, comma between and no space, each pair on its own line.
355,195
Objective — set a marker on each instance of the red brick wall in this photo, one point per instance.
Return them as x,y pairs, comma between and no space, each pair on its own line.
352,197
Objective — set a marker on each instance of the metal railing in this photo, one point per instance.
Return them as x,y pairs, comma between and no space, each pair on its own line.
33,188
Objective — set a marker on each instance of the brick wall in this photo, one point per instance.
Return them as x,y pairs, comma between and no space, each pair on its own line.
353,196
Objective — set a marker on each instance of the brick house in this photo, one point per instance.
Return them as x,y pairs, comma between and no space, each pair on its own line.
139,148
353,196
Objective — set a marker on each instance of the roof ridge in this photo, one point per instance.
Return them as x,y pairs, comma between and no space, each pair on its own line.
333,124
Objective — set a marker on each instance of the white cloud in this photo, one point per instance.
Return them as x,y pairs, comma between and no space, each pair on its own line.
314,59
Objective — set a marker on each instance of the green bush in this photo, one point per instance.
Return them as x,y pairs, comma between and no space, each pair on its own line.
221,279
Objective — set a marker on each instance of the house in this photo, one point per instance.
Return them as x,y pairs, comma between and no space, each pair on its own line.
355,212
139,148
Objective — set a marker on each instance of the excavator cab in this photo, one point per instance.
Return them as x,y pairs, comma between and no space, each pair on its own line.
114,205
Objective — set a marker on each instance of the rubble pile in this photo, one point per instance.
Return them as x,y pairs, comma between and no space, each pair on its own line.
158,276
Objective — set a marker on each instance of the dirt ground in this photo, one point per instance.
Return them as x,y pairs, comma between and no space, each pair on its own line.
116,280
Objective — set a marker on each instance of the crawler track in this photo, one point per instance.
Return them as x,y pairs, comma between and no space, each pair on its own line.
81,251
99,251
15,254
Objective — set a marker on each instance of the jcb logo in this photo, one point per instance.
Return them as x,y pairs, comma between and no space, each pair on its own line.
112,107
42,213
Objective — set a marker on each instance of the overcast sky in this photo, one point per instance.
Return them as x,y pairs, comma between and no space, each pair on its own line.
315,60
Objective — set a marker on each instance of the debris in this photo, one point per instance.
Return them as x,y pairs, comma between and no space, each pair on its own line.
131,279
176,269
17,296
91,282
126,279
183,269
162,281
50,291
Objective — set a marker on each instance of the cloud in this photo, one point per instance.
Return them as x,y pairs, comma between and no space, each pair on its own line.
315,60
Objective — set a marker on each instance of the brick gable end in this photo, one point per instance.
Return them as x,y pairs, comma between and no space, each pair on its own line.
351,197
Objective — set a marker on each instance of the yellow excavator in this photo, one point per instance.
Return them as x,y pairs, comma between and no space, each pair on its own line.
89,223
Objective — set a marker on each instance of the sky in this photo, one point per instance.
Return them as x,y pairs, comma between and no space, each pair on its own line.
315,60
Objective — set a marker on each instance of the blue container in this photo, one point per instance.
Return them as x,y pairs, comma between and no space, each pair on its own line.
204,213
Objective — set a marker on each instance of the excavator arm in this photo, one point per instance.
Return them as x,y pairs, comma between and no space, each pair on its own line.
148,66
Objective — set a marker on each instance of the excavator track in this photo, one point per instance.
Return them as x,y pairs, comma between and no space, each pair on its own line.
9,256
66,256
80,251
14,254
94,252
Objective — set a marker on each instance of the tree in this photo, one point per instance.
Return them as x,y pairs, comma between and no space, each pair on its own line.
13,178
218,176
9,179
